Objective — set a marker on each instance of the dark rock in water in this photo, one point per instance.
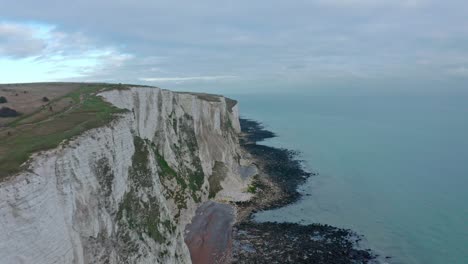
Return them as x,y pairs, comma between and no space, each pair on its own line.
273,242
254,131
293,243
281,165
8,112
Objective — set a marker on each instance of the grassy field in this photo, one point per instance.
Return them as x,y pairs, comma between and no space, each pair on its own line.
80,110
28,98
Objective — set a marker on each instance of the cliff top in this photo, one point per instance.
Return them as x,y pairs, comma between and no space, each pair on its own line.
39,116
48,114
213,98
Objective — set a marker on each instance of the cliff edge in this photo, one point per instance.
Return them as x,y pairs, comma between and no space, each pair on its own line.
124,192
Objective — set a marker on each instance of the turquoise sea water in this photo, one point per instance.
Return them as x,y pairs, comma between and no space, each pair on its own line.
392,168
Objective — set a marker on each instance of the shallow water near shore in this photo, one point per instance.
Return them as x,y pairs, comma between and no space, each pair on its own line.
394,169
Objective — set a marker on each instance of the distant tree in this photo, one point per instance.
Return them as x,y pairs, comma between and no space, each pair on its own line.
3,100
45,99
8,112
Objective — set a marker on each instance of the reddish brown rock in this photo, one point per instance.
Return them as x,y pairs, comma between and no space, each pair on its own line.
209,236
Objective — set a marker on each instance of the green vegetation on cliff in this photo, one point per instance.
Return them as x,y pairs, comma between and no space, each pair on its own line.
218,175
138,214
186,181
166,175
85,110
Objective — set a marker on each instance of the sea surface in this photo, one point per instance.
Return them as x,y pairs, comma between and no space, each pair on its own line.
391,168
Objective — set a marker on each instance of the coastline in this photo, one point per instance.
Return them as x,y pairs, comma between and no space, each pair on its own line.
280,173
223,233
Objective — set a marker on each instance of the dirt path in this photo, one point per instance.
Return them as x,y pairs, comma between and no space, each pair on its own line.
209,236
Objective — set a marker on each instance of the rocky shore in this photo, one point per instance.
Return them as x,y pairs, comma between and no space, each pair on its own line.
280,173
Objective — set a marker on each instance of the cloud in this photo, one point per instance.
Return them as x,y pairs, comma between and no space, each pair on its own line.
19,41
461,71
261,42
184,79
43,50
374,3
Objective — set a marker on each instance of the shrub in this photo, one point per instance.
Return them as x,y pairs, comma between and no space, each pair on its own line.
8,112
45,99
3,100
252,188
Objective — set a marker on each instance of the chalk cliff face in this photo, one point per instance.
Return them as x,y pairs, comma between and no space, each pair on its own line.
123,193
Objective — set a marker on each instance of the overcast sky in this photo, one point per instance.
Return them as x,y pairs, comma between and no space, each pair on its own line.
239,44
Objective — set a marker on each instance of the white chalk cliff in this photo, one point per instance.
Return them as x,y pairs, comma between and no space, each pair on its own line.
123,193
